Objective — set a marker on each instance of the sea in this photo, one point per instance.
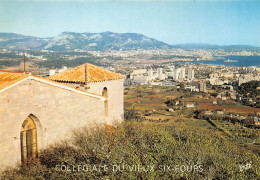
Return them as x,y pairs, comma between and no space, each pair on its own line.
242,61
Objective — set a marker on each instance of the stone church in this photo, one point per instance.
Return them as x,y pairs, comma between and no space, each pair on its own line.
36,112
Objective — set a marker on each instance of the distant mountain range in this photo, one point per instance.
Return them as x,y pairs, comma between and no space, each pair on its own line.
70,41
17,41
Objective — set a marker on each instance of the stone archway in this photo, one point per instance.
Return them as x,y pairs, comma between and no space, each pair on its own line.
28,140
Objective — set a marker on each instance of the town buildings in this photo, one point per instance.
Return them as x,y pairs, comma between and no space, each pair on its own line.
248,77
148,76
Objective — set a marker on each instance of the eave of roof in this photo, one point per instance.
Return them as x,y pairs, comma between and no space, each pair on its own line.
46,81
57,84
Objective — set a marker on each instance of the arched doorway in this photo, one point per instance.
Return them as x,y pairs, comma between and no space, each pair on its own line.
104,93
28,137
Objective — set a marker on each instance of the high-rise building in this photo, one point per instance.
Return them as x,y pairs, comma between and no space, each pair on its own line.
176,74
150,73
182,73
202,87
160,74
179,74
191,74
160,71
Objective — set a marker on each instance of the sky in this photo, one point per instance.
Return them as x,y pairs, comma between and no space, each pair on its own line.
174,22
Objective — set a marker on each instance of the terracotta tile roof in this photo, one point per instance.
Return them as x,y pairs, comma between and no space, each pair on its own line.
7,78
86,73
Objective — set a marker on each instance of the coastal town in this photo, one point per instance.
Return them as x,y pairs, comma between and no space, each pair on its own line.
216,86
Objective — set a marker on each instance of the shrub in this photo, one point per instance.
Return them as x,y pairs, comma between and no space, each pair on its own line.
148,145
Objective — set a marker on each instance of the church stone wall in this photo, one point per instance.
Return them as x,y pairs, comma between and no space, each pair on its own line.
58,111
115,95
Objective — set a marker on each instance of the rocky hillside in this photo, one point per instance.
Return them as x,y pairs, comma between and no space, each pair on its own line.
17,41
69,41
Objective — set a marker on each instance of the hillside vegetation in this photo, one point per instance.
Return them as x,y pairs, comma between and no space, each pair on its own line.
161,150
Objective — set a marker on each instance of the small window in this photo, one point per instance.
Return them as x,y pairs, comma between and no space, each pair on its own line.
104,93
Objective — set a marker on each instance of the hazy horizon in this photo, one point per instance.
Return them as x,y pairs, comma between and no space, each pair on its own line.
173,22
